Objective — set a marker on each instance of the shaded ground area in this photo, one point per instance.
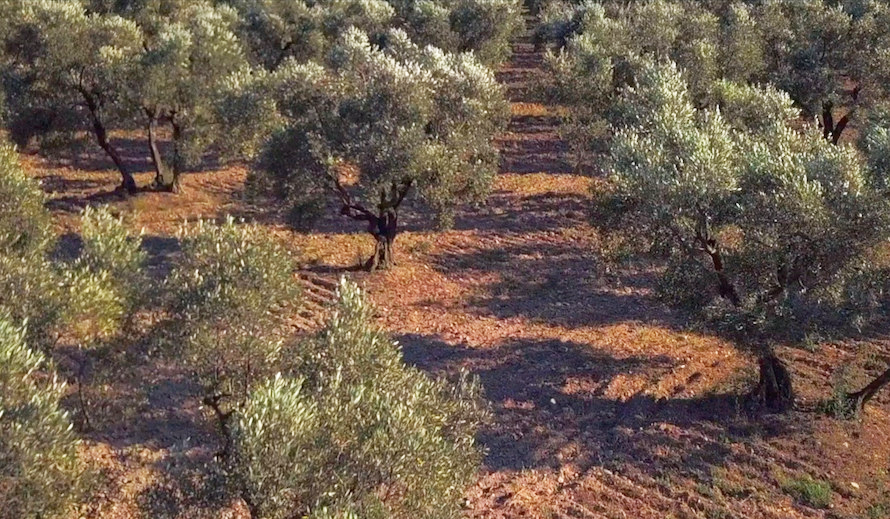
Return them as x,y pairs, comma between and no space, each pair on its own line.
605,404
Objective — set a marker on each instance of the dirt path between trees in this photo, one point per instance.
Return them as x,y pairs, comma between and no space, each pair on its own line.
604,406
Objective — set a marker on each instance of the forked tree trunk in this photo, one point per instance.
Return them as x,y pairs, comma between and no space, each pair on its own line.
830,130
384,231
383,224
860,398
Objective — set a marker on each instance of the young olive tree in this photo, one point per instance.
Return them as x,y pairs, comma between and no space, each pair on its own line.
88,298
377,124
349,430
191,49
40,473
65,71
29,290
228,296
781,222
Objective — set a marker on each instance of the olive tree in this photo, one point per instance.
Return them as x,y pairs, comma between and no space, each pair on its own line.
830,57
375,124
759,224
276,30
87,298
65,70
349,430
190,49
227,296
40,473
596,49
486,27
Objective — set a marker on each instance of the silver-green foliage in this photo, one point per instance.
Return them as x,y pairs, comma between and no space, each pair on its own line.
277,30
227,294
24,222
351,431
30,290
107,282
486,27
39,468
790,216
401,115
88,298
601,47
64,66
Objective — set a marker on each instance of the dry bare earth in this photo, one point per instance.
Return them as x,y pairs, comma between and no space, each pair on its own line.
605,405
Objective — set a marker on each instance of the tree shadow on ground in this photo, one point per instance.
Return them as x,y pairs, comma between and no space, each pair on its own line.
557,282
76,203
534,153
554,404
89,157
507,212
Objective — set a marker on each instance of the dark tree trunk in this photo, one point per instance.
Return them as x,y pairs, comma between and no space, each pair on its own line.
156,159
863,396
213,401
774,390
174,186
128,183
827,120
385,229
725,287
383,225
839,128
833,130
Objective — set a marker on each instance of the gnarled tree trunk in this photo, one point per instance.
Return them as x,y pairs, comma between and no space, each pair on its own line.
384,231
383,224
774,390
156,158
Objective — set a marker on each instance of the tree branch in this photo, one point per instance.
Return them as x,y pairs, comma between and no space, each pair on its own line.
711,248
350,208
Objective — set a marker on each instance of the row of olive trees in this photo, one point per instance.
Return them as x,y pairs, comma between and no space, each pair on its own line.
764,227
167,66
833,60
333,426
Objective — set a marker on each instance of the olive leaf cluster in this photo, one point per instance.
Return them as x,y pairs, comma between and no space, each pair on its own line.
40,473
227,296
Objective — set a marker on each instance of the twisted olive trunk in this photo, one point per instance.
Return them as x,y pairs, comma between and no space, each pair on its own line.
774,389
384,229
382,225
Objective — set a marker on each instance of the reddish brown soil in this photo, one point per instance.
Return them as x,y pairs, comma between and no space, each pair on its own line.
605,406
